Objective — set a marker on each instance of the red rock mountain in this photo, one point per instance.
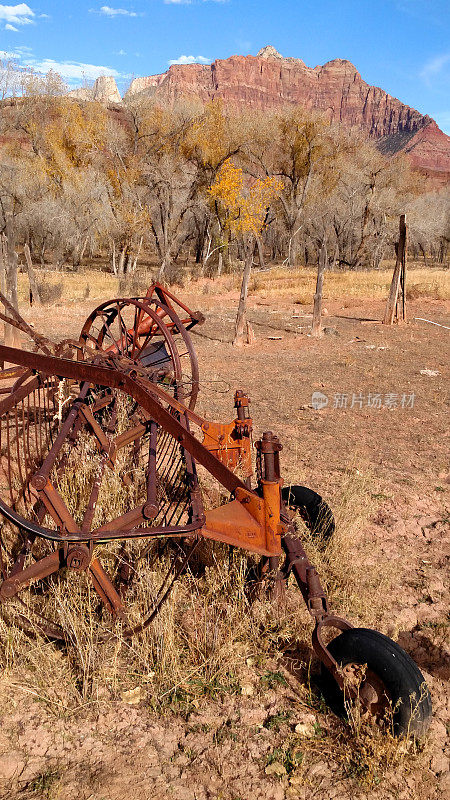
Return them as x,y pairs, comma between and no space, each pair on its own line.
336,89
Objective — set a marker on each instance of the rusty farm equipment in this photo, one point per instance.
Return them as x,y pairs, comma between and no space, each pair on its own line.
113,415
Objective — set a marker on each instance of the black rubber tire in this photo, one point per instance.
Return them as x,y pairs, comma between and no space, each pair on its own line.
400,675
314,511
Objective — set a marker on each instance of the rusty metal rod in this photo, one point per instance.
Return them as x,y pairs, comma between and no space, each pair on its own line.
40,478
79,370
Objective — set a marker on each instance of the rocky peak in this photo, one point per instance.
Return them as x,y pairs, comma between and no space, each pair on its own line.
105,90
139,85
339,65
269,51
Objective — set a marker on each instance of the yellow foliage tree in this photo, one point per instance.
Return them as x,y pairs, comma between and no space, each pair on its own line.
245,208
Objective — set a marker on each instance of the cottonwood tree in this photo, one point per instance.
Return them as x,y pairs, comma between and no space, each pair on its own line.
300,150
158,134
87,179
429,226
246,210
370,194
211,139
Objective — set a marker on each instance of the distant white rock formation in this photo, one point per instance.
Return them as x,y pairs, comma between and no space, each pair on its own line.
104,91
269,51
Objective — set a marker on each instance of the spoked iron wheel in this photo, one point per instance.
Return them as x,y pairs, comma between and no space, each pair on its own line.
149,333
89,475
387,680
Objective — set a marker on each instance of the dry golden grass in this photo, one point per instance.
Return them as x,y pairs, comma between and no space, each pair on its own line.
202,639
209,640
299,285
294,285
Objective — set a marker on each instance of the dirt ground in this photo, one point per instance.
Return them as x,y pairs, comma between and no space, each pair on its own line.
386,419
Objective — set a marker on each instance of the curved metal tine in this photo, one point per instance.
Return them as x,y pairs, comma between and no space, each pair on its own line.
106,322
91,337
163,597
135,330
124,335
19,458
8,460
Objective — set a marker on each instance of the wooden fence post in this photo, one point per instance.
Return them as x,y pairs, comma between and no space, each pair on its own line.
316,329
12,337
398,279
34,289
3,257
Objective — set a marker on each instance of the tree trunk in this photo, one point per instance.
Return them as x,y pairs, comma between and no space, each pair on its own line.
336,256
121,265
34,288
200,242
260,252
11,263
12,338
167,260
293,250
114,266
316,329
83,250
135,260
242,308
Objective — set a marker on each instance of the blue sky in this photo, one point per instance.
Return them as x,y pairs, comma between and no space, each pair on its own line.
401,45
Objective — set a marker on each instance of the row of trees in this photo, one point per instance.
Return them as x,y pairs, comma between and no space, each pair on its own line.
78,180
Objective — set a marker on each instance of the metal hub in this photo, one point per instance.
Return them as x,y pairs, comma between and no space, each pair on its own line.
368,686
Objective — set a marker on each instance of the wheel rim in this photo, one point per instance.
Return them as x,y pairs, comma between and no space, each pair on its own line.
370,689
151,335
39,607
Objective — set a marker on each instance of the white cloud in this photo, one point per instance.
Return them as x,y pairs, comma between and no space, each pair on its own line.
72,70
120,53
20,14
107,11
9,27
6,55
434,67
190,60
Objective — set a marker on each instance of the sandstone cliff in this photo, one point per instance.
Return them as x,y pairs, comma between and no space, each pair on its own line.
269,80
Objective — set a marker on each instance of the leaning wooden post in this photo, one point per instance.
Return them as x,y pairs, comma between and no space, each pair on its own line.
34,289
3,257
12,338
316,329
403,276
398,277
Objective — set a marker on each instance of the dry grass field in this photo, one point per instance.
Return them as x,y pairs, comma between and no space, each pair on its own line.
219,699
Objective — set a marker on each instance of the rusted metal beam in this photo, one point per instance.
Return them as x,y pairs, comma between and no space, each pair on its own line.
103,376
